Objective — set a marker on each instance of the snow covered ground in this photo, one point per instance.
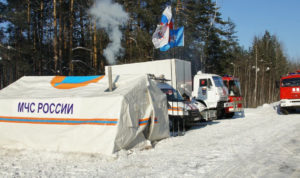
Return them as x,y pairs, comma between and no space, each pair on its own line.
261,144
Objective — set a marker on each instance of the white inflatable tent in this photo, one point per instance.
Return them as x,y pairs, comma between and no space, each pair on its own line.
78,114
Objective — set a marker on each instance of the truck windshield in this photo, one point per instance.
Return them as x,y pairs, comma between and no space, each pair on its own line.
234,88
290,82
172,95
218,81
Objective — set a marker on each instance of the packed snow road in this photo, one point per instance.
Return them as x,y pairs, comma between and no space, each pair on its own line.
261,144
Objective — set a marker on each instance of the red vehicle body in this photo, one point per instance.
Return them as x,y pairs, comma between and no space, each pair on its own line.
234,95
290,92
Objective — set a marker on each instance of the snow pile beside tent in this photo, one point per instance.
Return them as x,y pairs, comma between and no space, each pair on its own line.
77,114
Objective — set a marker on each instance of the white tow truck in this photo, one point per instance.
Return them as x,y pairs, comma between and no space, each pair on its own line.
209,90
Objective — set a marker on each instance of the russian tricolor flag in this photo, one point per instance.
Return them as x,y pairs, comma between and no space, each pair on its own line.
160,37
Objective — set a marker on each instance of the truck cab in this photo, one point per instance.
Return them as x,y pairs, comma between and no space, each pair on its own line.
209,90
235,103
290,92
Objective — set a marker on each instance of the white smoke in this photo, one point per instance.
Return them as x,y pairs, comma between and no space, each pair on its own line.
110,16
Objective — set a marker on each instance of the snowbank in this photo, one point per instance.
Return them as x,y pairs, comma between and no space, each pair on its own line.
263,144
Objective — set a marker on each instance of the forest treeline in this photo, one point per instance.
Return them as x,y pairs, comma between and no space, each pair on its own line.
60,37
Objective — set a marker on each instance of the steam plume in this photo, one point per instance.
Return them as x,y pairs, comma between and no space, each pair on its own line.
110,16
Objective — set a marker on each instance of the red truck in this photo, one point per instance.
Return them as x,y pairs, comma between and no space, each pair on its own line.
235,98
289,92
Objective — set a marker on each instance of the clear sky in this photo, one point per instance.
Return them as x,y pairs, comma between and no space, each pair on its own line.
254,17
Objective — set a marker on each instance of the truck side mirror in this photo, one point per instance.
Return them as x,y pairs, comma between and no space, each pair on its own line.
185,97
209,84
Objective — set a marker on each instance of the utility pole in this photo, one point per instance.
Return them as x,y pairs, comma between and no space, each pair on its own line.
255,88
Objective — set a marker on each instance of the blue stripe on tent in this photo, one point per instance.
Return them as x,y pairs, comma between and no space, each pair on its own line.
143,122
77,79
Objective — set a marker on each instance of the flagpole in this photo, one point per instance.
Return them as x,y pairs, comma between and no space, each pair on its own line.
179,51
173,51
178,7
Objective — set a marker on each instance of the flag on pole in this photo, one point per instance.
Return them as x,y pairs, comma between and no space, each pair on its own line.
176,39
161,35
166,16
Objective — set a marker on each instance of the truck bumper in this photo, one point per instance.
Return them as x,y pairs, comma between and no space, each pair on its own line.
290,103
194,116
187,116
209,114
233,107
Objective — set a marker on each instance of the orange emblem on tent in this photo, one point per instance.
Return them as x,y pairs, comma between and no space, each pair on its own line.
68,82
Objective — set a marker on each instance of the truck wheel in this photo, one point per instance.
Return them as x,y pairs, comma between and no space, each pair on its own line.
284,111
292,110
204,120
230,115
220,113
187,125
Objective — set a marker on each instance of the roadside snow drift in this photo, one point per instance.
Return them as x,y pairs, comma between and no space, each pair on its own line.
77,114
